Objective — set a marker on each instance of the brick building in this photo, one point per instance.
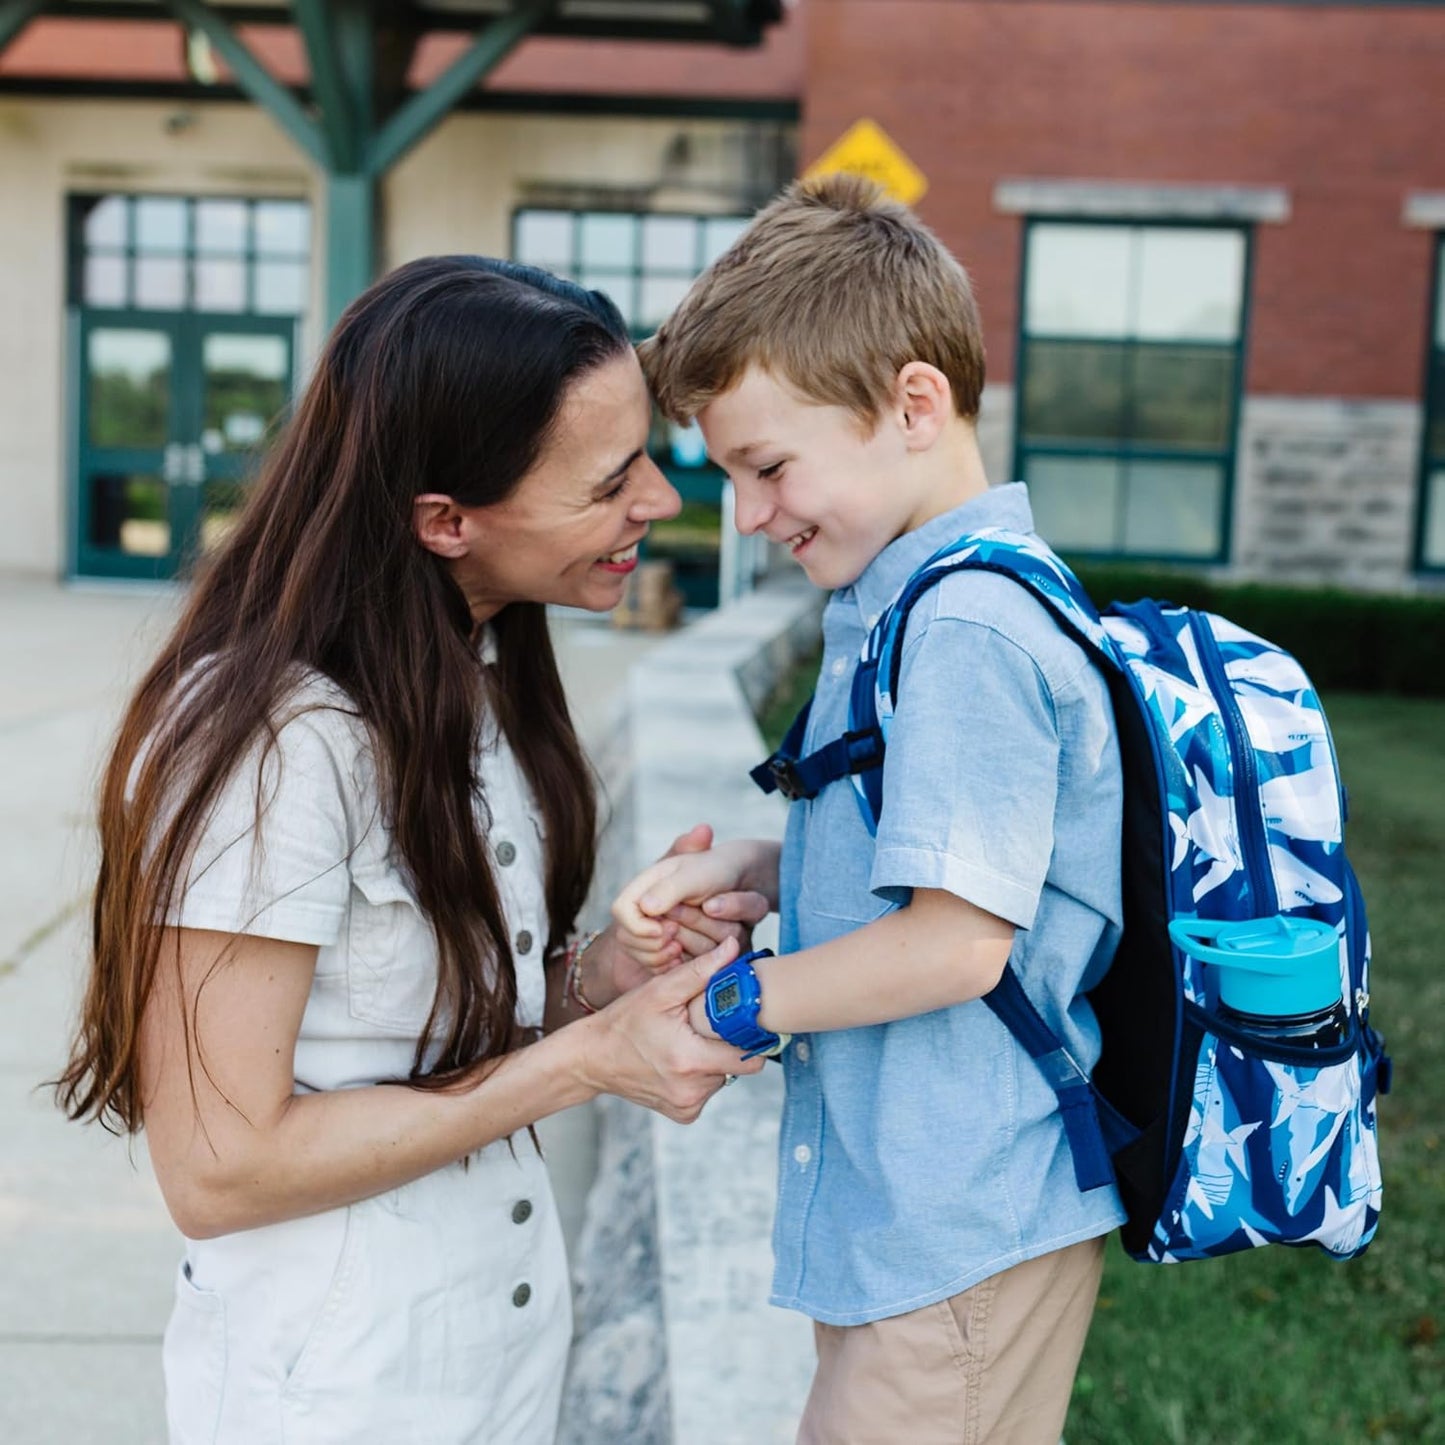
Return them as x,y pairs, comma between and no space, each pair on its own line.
1206,240
1206,237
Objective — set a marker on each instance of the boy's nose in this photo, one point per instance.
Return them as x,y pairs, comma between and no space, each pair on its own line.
656,497
752,511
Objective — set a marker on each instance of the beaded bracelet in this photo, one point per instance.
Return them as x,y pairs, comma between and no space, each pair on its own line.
572,989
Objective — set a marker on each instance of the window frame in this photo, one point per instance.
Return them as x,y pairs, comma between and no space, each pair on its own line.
637,272
188,253
1226,457
699,570
1433,397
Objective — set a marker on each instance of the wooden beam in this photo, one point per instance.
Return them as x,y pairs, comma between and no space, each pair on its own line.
427,108
253,77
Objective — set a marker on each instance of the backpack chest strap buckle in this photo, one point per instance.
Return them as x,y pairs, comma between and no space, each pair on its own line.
800,778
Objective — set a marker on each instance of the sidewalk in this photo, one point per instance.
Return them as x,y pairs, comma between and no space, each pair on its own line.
87,1252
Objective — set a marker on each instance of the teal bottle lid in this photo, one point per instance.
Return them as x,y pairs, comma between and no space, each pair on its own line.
1276,966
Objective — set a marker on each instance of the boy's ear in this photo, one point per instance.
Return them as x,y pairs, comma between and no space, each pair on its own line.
923,404
440,525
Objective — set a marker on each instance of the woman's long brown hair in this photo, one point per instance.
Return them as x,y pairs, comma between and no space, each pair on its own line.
447,376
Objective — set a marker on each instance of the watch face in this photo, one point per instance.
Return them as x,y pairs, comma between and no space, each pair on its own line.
727,998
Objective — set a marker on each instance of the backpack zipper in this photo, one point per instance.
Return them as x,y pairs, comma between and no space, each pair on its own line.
1253,842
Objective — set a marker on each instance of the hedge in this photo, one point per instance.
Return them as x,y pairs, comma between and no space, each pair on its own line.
1346,641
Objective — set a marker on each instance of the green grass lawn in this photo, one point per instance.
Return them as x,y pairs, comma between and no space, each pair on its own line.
1288,1347
1282,1346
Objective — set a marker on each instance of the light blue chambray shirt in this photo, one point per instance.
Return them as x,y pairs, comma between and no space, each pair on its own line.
919,1157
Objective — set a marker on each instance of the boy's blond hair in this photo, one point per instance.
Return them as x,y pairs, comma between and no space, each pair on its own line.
833,290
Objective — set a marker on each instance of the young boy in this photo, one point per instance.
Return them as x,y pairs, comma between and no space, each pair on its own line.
928,1218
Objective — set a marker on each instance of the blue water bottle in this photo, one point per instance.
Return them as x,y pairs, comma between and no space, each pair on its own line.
1279,977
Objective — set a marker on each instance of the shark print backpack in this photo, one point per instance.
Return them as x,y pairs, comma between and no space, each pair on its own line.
1234,1100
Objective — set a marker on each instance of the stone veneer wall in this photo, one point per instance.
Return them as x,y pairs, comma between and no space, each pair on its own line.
674,1261
1327,491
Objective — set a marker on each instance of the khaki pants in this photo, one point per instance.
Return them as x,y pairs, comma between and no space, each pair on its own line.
992,1366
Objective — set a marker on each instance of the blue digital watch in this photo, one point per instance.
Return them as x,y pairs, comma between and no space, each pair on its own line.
733,998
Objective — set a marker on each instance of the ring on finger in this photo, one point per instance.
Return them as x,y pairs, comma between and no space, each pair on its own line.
729,1079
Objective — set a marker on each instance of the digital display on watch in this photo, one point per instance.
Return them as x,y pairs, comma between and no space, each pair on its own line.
726,999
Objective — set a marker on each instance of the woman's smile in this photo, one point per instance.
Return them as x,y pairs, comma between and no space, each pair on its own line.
621,562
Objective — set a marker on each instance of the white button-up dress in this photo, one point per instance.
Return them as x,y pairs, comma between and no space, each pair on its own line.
438,1312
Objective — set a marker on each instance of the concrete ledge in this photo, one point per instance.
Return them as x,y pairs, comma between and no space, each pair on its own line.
674,1262
1141,200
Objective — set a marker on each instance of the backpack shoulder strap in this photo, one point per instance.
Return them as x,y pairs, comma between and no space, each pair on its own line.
1094,1130
1016,555
858,754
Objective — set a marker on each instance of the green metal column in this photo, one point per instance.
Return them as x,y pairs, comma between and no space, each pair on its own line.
350,249
341,131
15,15
341,43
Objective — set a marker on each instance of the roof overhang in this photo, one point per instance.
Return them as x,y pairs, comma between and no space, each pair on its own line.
728,22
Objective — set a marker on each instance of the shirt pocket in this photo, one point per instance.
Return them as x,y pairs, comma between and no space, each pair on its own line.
391,962
837,859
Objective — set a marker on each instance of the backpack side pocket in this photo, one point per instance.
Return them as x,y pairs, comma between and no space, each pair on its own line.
1275,1152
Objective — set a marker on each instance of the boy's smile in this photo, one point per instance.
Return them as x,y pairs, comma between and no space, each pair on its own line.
818,480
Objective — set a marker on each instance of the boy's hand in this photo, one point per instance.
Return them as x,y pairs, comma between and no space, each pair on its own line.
697,1017
687,903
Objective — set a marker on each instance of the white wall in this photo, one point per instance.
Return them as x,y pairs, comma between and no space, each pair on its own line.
455,192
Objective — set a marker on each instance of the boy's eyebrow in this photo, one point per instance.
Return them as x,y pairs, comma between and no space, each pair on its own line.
615,474
742,453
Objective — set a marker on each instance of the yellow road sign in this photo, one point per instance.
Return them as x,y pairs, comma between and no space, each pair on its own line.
865,149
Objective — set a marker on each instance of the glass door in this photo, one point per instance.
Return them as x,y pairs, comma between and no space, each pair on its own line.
245,369
173,412
133,467
185,314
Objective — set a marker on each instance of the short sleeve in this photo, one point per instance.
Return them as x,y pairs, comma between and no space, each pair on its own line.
971,774
283,873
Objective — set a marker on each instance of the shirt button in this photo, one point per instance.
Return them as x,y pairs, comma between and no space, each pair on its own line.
803,1154
506,854
521,1295
872,621
801,1051
521,1211
524,942
840,666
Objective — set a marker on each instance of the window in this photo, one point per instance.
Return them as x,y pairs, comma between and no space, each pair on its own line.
214,254
1432,481
644,262
1129,379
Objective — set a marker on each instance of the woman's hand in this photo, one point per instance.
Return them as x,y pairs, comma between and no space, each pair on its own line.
643,1047
691,900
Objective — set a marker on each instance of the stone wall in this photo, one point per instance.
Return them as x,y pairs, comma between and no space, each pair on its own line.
1327,491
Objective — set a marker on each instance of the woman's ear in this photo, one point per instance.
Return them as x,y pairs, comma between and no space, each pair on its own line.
440,525
923,404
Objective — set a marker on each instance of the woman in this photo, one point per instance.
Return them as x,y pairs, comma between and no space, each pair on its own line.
345,822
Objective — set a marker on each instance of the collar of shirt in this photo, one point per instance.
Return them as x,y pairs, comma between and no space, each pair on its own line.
1004,506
